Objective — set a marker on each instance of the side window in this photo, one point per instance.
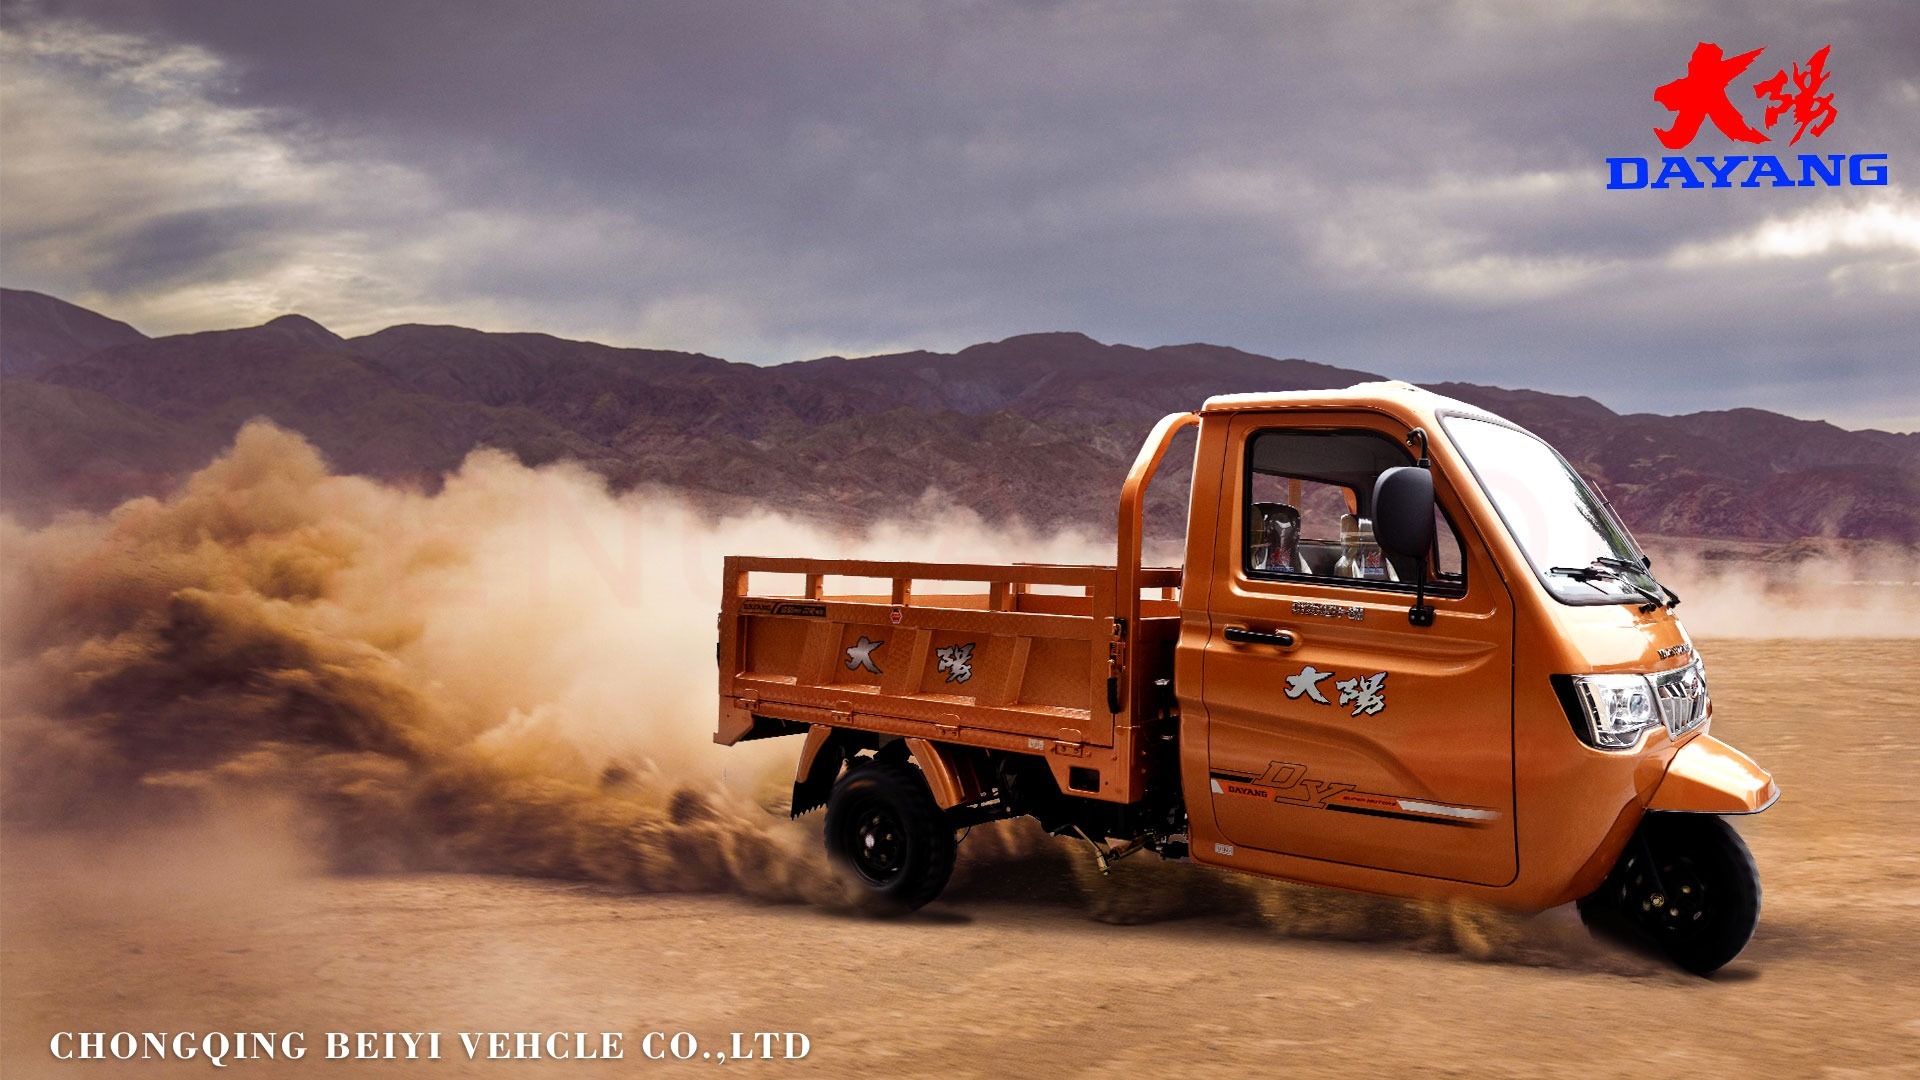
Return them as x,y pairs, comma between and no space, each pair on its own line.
1307,516
1450,561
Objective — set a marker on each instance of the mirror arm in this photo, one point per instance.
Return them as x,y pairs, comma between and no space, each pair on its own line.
1421,613
1420,434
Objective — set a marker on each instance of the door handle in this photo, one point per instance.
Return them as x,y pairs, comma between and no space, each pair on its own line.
1240,635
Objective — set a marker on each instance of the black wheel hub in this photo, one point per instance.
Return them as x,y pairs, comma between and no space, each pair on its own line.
879,844
1664,893
1680,902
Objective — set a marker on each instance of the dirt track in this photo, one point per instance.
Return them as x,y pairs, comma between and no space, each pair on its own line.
1009,977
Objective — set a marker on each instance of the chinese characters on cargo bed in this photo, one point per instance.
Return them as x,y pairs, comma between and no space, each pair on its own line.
860,655
957,662
953,661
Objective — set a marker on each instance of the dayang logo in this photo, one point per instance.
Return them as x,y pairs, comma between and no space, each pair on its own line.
1792,100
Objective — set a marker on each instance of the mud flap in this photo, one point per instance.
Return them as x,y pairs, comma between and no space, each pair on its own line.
820,762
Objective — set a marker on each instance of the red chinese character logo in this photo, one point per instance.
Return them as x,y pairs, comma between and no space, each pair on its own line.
1808,104
1702,96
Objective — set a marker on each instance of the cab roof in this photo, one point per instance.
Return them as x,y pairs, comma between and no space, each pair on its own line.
1394,396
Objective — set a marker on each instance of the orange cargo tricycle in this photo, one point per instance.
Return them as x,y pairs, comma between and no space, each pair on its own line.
1410,652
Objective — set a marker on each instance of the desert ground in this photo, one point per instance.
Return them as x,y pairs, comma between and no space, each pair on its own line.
1010,974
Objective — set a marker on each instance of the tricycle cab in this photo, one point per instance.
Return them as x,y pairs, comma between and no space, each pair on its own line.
1356,718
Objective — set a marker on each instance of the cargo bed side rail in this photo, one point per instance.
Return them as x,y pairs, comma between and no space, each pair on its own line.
1005,581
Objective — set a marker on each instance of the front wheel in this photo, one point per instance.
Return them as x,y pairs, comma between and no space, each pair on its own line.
1688,882
888,837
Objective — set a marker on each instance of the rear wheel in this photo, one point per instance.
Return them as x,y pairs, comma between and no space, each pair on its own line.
1688,882
888,837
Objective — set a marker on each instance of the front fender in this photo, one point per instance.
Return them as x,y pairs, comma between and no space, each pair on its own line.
1709,777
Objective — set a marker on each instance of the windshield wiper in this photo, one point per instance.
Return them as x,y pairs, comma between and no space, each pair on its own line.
1613,570
1645,567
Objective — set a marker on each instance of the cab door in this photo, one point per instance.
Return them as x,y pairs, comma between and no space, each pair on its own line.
1337,730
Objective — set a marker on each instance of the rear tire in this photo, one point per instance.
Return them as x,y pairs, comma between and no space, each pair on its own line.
1689,883
888,838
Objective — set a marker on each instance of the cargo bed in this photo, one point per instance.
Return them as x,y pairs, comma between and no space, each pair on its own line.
1032,659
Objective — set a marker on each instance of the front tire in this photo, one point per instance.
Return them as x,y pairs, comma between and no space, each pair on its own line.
888,838
1689,883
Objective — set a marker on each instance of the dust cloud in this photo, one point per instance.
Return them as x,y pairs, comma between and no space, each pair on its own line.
1867,594
512,674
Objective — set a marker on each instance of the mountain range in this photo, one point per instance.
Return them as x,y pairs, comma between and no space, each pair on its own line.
1039,426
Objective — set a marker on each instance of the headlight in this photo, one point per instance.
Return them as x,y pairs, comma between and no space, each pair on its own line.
1613,710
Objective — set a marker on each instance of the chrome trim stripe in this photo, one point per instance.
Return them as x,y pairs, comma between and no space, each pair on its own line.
1467,812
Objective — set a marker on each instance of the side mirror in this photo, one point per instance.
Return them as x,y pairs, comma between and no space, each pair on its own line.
1403,512
1403,525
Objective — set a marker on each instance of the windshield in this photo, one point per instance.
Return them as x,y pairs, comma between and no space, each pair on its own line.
1569,534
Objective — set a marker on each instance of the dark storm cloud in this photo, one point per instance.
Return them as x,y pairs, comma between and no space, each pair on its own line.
171,247
1413,188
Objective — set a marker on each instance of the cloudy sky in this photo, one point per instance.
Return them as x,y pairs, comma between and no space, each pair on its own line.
1415,189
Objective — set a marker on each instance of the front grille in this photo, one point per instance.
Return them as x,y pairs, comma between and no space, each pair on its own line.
1682,694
